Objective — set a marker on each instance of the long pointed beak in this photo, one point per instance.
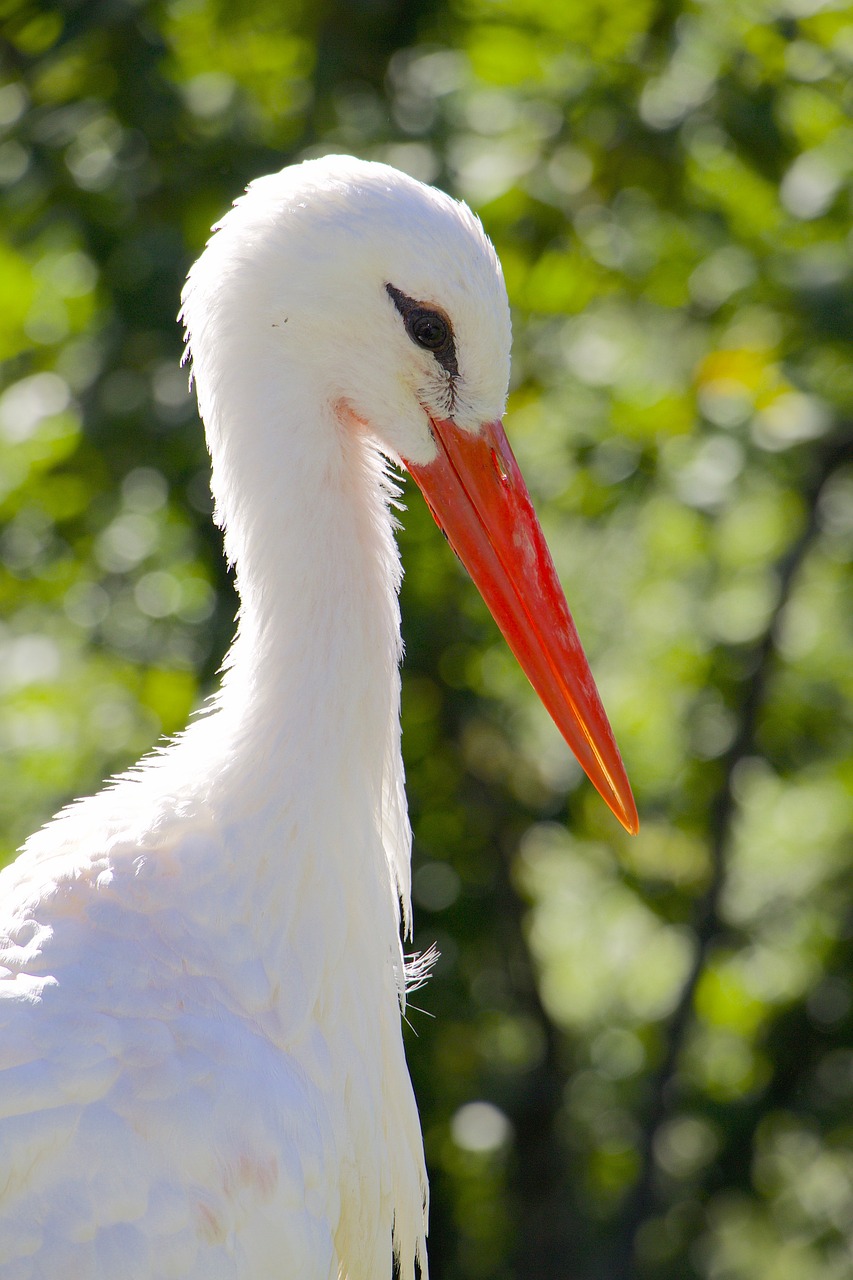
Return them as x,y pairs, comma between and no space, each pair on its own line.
478,497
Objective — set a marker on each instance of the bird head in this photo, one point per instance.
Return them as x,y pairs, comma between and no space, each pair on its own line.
391,297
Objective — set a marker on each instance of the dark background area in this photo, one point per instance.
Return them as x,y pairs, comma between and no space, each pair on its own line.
635,1058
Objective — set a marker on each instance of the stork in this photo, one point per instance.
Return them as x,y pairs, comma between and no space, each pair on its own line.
201,1062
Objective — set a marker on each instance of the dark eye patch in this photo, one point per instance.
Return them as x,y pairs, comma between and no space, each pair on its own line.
428,328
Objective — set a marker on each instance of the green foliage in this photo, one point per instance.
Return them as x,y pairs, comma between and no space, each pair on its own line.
641,1060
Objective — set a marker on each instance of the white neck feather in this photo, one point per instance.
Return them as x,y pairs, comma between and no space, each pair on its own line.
310,699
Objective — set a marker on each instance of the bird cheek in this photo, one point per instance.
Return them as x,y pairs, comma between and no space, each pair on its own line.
400,424
411,436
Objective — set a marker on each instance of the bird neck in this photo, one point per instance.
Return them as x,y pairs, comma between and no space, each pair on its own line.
310,698
314,666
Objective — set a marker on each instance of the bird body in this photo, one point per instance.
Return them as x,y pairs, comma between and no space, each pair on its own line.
201,1064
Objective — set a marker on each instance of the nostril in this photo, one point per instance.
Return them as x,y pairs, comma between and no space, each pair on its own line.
500,467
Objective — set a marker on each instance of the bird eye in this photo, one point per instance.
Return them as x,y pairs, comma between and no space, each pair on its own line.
429,330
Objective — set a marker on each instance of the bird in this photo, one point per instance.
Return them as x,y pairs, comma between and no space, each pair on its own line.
202,966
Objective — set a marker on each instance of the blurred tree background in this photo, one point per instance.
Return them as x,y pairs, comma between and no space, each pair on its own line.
641,1057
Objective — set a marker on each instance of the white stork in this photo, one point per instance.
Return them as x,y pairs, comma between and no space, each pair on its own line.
201,1063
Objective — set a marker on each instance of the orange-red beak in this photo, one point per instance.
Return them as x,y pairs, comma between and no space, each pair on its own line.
478,497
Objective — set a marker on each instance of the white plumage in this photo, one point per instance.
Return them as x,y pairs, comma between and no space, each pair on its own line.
201,1064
